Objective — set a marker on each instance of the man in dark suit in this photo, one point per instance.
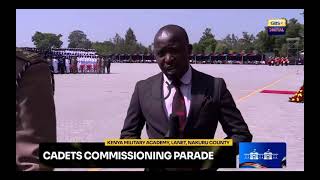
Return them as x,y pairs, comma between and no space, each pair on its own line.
108,64
199,100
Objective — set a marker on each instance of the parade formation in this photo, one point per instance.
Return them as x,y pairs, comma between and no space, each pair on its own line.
74,60
88,61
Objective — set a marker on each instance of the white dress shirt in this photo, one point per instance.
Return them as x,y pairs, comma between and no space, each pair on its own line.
185,90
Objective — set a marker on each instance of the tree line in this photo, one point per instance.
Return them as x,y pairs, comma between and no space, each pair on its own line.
248,43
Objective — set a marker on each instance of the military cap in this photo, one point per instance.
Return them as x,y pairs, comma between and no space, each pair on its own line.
24,60
27,55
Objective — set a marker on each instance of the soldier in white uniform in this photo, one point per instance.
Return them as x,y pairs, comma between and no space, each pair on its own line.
55,65
79,59
67,62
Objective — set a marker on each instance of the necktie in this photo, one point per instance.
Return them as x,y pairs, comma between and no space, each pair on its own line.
179,107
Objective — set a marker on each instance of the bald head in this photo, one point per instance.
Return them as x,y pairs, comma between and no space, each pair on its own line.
172,50
172,30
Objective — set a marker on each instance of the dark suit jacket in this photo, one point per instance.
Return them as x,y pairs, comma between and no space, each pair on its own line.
211,102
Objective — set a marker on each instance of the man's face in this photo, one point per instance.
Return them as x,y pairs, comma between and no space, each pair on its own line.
172,54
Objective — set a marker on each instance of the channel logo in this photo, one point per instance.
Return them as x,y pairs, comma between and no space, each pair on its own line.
277,22
262,155
277,26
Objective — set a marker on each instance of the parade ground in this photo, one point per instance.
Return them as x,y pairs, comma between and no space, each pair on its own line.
92,107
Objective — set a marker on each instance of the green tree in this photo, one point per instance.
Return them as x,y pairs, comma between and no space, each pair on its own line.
150,48
130,37
131,45
222,48
231,41
295,29
119,43
208,49
264,43
46,41
141,49
196,48
280,45
283,50
207,43
246,43
302,36
78,39
103,48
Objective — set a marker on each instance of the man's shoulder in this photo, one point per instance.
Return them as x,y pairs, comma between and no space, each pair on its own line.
27,56
149,80
203,76
206,80
25,60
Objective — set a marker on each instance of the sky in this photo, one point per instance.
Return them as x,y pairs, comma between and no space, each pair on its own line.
103,24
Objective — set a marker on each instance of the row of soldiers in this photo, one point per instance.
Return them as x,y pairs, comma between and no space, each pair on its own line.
75,65
276,61
72,52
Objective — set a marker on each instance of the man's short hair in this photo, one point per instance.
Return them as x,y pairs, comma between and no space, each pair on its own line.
169,26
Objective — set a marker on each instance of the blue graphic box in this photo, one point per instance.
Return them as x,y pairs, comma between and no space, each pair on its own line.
262,155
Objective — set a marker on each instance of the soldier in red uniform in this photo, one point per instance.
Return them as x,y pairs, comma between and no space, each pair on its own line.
271,61
286,61
281,61
277,61
74,64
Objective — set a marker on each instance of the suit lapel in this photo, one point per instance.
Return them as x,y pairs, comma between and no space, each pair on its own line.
198,91
197,97
157,101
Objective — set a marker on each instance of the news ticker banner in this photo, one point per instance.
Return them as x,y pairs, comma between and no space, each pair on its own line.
136,153
163,153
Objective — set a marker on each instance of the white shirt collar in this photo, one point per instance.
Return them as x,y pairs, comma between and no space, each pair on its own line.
185,79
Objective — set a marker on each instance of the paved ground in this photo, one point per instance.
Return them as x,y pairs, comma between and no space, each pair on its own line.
92,107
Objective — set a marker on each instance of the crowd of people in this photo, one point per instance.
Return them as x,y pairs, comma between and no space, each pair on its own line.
74,60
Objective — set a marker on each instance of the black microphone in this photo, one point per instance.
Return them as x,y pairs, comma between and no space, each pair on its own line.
173,130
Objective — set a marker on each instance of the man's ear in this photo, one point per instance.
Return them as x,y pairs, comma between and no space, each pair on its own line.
189,49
